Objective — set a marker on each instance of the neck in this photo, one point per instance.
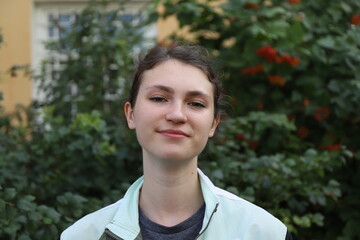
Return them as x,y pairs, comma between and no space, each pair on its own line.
170,195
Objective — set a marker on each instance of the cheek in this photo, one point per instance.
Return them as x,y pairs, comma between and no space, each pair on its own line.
144,117
204,127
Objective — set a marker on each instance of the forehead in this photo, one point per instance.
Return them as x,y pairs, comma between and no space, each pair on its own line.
177,75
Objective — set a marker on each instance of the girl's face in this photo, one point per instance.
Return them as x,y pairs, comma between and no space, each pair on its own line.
174,112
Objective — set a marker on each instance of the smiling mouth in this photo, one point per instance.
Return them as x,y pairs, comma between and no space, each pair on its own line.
173,133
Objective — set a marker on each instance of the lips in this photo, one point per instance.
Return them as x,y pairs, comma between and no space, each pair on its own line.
174,133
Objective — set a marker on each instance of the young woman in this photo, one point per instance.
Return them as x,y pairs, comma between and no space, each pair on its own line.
174,107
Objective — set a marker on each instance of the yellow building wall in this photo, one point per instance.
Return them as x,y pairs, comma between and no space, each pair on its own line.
15,26
165,27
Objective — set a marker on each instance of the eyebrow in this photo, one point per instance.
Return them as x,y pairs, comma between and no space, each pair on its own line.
171,90
162,87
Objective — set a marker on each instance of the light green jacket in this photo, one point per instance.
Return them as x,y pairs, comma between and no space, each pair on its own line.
227,217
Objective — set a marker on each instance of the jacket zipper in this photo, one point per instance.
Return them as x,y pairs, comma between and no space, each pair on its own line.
208,221
112,235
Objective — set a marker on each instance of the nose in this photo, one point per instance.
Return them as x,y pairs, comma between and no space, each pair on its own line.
176,113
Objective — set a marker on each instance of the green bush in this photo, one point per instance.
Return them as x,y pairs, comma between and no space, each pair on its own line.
53,173
296,184
294,60
74,154
290,145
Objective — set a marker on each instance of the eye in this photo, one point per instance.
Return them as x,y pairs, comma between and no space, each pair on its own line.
158,99
197,104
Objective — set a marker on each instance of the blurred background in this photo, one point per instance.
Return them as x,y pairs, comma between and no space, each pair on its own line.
290,142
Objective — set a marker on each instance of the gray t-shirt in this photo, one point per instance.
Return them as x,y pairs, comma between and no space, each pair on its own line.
188,229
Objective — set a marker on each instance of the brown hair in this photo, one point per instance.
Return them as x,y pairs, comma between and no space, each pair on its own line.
196,56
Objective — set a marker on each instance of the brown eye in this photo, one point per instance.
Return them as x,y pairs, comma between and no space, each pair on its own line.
197,104
158,99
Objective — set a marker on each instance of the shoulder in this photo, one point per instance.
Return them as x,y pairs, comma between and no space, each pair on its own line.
249,215
92,225
232,202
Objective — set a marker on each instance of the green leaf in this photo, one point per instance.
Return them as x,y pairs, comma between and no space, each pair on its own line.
334,86
257,29
303,221
327,42
295,33
335,13
318,219
9,193
276,29
272,12
153,17
346,7
26,203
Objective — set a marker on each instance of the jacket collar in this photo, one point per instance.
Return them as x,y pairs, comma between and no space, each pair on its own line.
211,199
125,223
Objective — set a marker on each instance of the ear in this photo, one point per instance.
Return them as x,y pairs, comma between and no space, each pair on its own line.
214,125
129,113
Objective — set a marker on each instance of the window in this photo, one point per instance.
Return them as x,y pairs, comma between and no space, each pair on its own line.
54,20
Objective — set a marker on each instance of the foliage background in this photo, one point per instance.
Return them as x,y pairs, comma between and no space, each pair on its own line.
291,142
